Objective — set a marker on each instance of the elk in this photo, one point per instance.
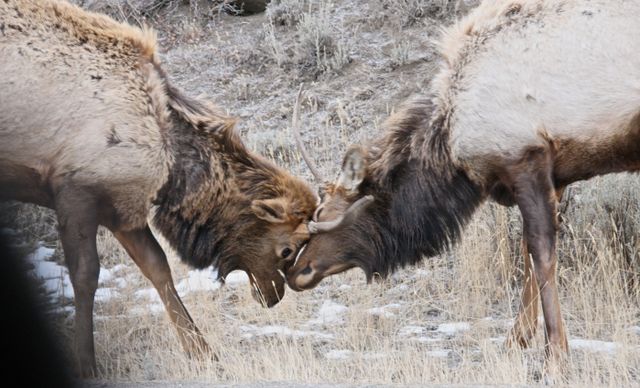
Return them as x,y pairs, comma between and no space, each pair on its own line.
91,127
531,95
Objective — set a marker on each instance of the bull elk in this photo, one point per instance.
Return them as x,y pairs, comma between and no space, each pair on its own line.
91,127
531,96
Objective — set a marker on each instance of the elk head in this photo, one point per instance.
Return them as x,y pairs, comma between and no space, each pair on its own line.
339,223
275,251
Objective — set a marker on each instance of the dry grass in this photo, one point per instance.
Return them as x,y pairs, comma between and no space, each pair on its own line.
388,332
476,283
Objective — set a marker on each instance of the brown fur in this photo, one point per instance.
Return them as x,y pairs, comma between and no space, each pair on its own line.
91,127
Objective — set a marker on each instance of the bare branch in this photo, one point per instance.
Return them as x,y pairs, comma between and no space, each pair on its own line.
295,127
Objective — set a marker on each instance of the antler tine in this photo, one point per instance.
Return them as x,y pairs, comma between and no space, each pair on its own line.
295,124
346,219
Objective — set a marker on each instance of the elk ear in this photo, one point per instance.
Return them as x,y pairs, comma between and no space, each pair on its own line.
353,169
271,210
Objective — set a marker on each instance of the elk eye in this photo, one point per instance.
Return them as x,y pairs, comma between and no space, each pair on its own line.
285,253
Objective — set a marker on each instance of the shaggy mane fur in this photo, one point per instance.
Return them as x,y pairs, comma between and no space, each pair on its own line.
422,201
204,209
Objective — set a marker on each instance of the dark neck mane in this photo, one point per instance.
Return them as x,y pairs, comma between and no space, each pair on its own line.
203,210
424,200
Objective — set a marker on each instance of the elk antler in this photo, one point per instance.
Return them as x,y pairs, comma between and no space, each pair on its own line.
295,124
347,218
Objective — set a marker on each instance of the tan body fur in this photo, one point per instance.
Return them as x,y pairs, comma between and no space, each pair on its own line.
561,71
58,129
91,127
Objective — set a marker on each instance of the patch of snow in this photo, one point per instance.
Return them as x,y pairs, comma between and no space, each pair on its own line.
373,356
344,287
381,312
401,288
236,277
153,308
198,280
148,293
342,354
105,275
71,310
40,254
105,294
55,277
453,327
440,353
329,312
422,273
423,339
499,339
409,330
121,282
635,329
251,331
594,345
119,268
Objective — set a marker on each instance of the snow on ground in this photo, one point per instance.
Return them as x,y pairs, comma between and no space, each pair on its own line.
345,354
341,354
57,283
236,277
104,294
453,327
55,278
153,308
407,331
199,280
384,310
251,331
329,312
594,345
439,353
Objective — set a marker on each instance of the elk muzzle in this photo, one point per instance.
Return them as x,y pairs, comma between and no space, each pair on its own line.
306,274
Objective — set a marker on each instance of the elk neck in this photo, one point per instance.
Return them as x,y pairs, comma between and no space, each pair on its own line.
423,199
203,209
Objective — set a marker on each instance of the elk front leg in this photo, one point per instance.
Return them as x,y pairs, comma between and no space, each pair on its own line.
527,320
78,227
150,258
537,200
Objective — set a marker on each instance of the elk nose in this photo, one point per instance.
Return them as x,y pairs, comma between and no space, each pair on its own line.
302,278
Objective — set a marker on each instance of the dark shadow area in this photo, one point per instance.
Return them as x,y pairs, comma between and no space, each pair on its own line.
32,356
